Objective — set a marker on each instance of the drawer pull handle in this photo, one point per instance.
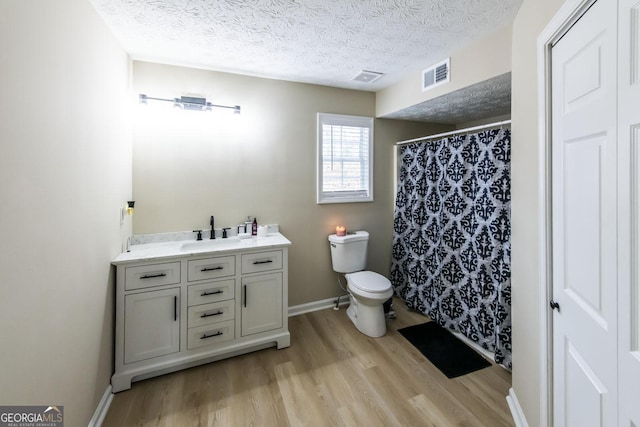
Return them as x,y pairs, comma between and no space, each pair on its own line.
211,314
212,268
206,294
175,309
263,262
153,276
205,336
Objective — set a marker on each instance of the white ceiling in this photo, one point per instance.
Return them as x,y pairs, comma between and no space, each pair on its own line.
325,42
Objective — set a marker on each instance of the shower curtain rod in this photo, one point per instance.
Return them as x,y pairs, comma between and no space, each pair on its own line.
439,135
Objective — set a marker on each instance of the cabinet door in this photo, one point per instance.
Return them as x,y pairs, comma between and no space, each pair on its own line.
261,303
152,324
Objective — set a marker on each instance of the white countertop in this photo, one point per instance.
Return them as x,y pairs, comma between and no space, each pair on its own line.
152,251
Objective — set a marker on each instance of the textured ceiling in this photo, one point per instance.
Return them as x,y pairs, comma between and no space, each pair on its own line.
323,42
489,98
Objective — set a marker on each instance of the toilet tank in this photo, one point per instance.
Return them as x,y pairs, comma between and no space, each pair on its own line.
349,253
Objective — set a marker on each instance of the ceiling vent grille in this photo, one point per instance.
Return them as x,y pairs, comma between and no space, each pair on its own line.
365,76
436,75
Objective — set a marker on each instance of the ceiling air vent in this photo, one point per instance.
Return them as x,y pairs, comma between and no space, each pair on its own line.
365,76
436,75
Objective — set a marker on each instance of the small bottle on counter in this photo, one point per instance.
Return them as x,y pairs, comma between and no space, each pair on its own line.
254,227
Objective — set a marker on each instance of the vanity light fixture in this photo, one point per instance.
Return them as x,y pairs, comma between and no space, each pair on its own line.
190,103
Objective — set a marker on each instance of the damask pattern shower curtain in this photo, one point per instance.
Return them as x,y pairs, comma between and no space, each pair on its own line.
452,235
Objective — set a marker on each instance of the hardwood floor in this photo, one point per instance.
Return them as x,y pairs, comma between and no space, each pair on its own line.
331,375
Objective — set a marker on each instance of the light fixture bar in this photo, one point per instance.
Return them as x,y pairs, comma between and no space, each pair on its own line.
189,103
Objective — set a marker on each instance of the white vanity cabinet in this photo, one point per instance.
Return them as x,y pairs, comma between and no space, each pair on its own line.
179,310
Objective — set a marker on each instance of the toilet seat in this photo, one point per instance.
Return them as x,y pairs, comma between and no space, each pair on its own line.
369,281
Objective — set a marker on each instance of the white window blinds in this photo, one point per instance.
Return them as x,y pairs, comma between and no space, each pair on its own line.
345,151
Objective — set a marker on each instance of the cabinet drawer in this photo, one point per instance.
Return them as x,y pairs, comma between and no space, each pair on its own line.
262,261
147,276
210,334
204,293
210,268
208,314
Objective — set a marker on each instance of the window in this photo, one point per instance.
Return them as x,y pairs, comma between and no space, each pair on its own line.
345,158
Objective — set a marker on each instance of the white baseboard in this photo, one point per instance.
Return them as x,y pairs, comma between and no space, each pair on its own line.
516,409
296,310
102,408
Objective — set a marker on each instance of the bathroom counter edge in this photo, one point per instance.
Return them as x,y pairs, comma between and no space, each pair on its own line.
159,251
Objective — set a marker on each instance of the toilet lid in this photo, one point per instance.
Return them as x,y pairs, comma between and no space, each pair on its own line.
369,281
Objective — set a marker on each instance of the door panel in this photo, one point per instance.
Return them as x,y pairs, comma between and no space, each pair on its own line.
585,408
629,207
584,243
581,204
583,75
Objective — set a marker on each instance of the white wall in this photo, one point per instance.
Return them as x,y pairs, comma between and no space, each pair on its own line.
532,18
65,168
189,166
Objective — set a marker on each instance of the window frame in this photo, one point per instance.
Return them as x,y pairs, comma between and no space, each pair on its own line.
343,196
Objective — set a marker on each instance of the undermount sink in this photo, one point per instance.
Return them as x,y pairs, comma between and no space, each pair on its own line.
211,245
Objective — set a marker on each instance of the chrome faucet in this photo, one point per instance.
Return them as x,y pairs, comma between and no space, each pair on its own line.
213,230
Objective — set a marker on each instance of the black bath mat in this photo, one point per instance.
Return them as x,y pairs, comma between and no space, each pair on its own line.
453,357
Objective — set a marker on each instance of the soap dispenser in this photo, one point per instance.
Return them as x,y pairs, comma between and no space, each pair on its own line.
254,227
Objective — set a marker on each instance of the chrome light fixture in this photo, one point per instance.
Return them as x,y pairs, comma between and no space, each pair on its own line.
189,103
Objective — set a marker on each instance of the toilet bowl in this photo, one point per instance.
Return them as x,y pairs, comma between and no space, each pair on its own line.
367,290
367,293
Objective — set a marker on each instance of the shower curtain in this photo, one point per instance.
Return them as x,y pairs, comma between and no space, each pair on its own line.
451,242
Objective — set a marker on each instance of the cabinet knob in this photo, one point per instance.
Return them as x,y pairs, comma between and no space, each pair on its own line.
554,305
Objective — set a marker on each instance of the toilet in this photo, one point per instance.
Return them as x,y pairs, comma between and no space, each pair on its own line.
367,290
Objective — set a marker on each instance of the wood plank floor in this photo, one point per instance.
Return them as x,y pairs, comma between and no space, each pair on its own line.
331,375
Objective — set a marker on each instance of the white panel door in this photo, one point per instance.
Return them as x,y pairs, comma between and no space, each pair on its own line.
584,219
629,206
